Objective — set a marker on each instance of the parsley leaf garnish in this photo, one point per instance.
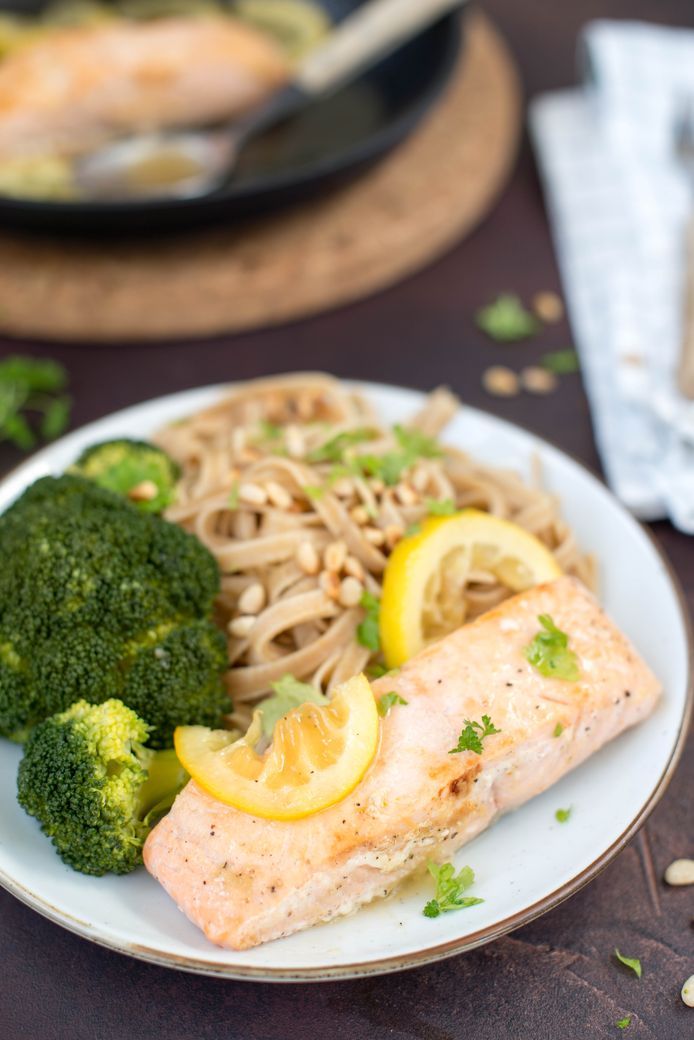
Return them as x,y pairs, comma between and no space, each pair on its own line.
549,652
412,445
368,634
561,362
631,962
288,693
412,529
314,491
558,730
449,889
506,319
624,1023
440,506
32,385
473,734
562,815
333,450
386,702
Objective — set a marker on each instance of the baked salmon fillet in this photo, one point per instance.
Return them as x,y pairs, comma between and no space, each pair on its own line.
245,880
80,86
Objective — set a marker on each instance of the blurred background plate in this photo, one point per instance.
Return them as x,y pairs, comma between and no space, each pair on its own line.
332,141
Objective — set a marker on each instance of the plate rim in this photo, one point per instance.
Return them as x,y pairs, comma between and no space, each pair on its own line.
438,951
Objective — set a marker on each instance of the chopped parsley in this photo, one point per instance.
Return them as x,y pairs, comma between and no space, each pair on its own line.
412,445
630,962
378,670
549,652
412,529
368,633
269,431
288,693
473,734
334,449
386,702
233,499
449,889
313,491
624,1023
558,730
34,386
506,319
562,815
561,362
440,506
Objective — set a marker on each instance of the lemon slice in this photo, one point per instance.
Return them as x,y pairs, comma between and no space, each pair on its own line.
319,753
426,572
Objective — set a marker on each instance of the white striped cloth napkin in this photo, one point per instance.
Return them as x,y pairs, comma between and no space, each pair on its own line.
619,204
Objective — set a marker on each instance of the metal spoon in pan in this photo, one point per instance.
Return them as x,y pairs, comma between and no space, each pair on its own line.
189,164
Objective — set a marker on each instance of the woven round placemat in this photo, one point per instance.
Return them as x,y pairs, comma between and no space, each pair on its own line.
385,225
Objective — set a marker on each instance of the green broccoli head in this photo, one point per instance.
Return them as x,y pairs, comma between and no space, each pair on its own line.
88,585
93,787
138,470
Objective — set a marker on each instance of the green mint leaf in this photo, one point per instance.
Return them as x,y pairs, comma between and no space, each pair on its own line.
440,507
386,702
288,693
562,815
549,652
631,962
561,362
473,734
624,1023
558,730
506,319
368,633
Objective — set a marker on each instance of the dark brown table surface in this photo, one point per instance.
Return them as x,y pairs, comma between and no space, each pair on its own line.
554,978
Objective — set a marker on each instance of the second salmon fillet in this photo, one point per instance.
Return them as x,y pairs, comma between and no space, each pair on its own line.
245,880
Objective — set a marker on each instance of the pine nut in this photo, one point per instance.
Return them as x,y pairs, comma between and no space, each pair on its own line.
538,380
307,558
334,556
252,599
354,568
278,495
238,440
420,479
350,592
393,533
253,494
241,626
406,495
688,992
343,488
548,307
681,872
500,381
329,583
305,406
374,535
360,515
295,443
145,491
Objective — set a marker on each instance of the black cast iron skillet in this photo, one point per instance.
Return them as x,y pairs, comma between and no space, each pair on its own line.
321,148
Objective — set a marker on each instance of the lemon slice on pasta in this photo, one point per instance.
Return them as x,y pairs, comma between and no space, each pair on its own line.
318,754
424,578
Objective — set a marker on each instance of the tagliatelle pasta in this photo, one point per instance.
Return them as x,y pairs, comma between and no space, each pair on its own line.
301,492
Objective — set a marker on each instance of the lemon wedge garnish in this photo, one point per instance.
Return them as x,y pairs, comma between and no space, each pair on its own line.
425,574
318,754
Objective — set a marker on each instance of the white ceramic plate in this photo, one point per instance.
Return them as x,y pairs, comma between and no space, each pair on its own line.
524,865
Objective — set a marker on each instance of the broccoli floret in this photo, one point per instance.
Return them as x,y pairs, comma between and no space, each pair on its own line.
141,471
94,788
99,600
